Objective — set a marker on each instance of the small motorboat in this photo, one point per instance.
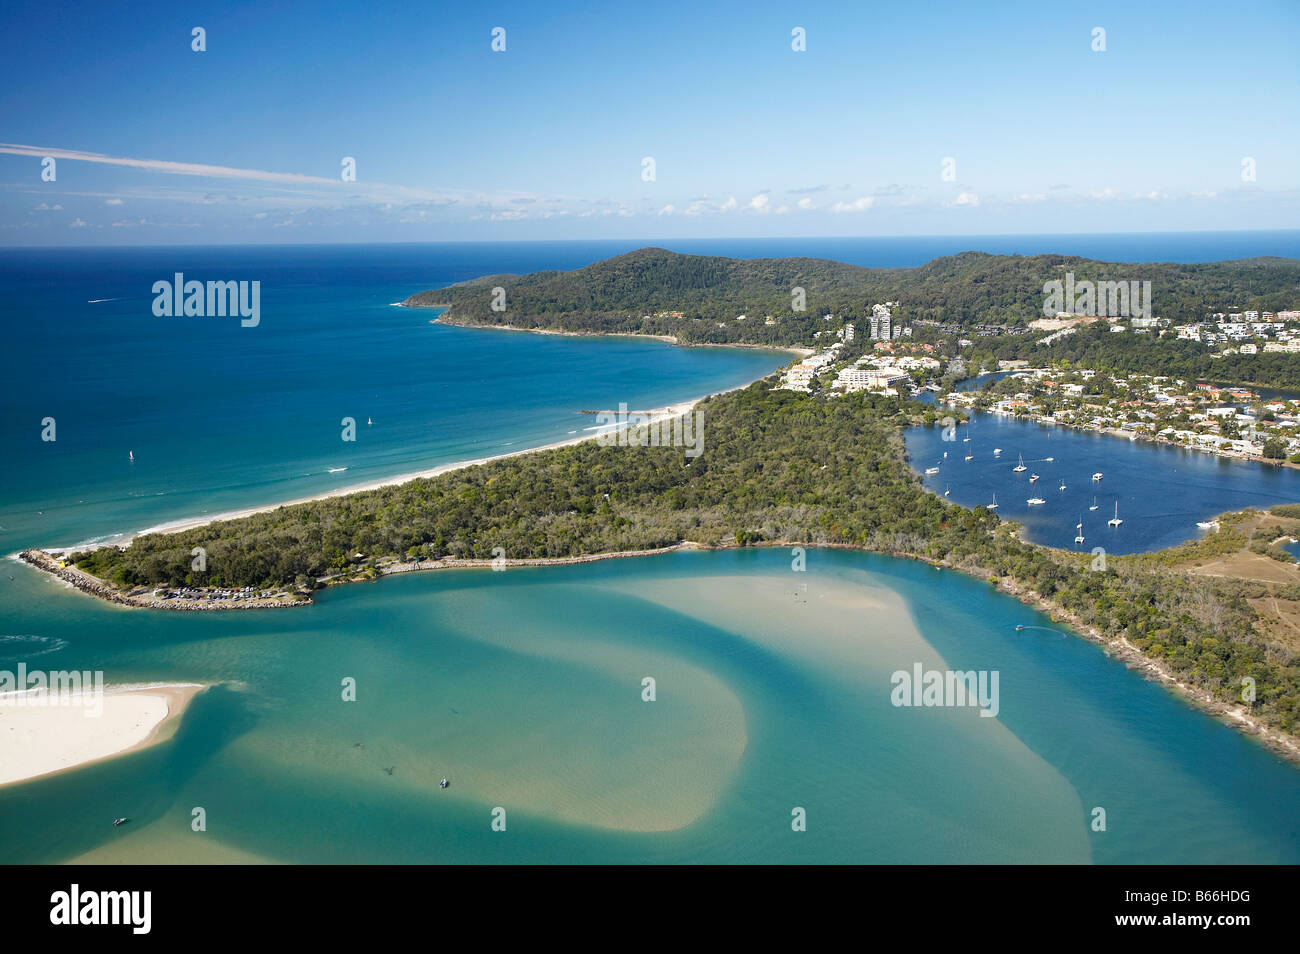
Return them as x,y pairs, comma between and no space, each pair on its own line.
931,471
120,821
1019,627
996,451
1049,459
1097,476
444,783
130,455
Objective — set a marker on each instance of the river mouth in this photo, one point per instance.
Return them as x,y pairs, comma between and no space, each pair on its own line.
526,689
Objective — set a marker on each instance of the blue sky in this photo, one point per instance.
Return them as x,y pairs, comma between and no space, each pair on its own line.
155,143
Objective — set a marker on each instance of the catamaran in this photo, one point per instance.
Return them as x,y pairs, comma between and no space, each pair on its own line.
1078,537
1097,476
1115,521
1035,501
1020,468
1033,477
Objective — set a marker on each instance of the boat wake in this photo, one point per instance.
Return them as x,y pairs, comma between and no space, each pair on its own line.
26,645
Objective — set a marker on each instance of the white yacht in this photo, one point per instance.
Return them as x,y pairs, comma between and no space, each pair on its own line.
1115,521
994,504
1078,536
1020,468
1033,478
1097,476
1035,501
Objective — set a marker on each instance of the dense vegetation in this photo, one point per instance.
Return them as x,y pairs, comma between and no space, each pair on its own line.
629,293
777,466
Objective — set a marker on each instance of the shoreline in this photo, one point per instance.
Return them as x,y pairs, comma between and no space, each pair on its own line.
1277,741
40,741
656,415
668,339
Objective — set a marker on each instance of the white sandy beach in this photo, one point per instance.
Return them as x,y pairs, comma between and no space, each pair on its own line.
39,739
655,415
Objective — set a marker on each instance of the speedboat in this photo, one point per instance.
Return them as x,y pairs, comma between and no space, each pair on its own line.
1049,459
120,821
997,451
1097,476
444,783
1019,627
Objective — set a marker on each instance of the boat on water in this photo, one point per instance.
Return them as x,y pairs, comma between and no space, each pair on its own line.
945,455
931,471
1097,476
997,451
945,490
1049,459
1115,521
970,453
1020,468
370,422
1020,627
1062,487
130,455
994,504
1033,478
444,783
120,821
1035,501
1094,504
1078,536
965,440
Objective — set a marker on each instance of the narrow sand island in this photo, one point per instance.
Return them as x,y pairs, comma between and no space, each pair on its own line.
42,733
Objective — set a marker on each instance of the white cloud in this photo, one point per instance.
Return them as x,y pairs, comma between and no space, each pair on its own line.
730,205
967,198
805,203
857,205
668,209
758,203
77,223
43,207
112,201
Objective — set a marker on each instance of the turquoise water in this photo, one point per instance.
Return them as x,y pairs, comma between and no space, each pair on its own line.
524,688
